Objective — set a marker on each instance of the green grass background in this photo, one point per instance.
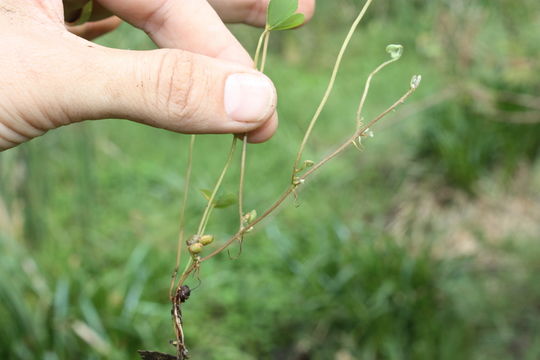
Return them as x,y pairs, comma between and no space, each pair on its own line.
89,213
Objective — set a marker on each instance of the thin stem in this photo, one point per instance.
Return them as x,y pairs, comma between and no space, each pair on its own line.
265,52
315,167
242,231
187,180
186,272
210,204
242,180
263,43
366,90
358,133
259,48
330,86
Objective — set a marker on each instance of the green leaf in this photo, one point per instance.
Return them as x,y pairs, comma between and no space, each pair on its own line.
222,201
292,22
280,11
225,200
207,194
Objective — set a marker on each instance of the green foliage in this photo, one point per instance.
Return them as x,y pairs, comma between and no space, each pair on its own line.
221,201
290,23
281,15
368,298
464,145
493,120
58,318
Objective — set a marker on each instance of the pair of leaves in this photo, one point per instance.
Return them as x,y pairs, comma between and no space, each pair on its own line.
282,15
222,201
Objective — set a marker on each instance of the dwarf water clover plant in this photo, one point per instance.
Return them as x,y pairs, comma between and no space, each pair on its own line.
281,15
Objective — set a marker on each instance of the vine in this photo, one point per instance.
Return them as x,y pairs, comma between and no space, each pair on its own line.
282,15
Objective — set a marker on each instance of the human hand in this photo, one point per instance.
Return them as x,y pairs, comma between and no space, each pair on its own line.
202,80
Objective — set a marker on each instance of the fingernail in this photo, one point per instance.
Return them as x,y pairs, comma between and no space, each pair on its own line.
249,97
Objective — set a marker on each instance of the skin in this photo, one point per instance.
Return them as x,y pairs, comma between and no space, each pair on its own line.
53,76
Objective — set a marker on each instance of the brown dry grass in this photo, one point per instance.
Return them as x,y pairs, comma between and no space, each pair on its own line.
457,224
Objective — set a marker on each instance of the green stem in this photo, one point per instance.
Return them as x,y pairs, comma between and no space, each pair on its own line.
359,132
242,180
312,170
187,180
210,204
366,90
265,52
259,48
329,88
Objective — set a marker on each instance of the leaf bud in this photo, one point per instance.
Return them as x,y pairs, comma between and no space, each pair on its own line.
250,216
395,51
415,81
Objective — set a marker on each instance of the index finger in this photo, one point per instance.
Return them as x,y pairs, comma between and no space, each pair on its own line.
191,25
253,12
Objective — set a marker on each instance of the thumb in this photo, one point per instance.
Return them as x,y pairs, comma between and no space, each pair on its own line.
173,89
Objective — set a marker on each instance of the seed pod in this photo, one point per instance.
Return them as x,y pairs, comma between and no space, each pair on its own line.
206,239
195,248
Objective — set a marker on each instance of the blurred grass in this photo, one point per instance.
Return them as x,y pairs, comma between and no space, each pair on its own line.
88,213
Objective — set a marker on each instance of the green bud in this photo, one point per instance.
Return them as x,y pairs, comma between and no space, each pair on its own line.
251,216
206,239
415,81
195,248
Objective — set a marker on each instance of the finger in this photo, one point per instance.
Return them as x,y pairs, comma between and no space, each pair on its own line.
253,12
191,25
171,89
73,10
264,132
95,29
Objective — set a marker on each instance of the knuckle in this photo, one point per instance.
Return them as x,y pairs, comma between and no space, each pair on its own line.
16,132
179,86
15,127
